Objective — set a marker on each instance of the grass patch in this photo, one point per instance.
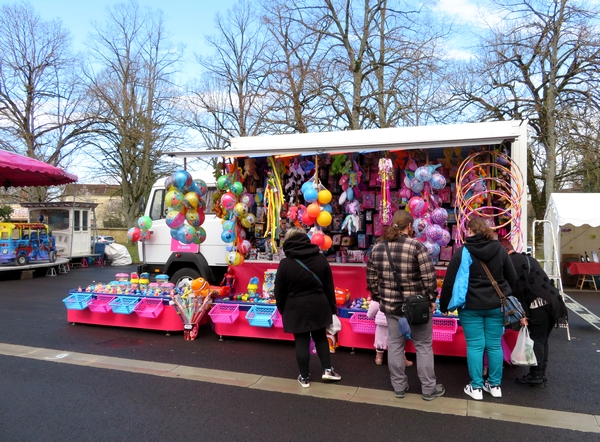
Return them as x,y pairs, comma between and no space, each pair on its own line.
133,251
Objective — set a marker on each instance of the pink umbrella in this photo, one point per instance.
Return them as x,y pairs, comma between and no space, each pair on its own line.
21,171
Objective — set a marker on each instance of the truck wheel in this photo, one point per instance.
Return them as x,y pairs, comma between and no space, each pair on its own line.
184,277
22,260
52,256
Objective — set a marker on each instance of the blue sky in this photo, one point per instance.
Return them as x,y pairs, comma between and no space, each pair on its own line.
188,21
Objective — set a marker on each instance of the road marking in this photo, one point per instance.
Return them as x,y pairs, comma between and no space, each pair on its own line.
443,405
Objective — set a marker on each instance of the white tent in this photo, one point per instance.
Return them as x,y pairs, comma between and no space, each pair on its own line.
575,221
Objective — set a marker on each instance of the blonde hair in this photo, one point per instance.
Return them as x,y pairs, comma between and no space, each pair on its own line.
478,225
293,231
401,220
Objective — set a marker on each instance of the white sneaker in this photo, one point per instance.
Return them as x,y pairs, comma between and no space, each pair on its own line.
475,393
330,375
494,391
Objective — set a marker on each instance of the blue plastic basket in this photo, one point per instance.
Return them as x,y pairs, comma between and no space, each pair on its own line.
77,301
124,304
261,315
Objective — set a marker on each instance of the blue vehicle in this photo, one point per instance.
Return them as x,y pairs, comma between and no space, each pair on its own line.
22,243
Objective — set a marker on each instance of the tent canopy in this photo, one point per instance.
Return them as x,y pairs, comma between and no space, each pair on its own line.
21,171
577,209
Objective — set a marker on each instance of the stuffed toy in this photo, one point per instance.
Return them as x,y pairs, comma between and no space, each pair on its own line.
250,176
294,179
351,221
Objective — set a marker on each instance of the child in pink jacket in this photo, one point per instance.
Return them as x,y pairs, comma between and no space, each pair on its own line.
381,333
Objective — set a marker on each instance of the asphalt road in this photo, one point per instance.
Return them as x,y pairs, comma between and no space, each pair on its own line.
49,401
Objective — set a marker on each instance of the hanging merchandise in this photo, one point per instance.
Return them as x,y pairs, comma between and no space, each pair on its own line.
385,175
273,203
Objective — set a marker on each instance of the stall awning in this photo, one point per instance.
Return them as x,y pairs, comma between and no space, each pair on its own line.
577,209
368,140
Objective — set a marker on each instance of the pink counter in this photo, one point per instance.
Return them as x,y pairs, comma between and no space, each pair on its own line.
168,320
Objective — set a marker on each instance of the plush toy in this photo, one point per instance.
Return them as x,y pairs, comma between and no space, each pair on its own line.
351,221
295,178
250,176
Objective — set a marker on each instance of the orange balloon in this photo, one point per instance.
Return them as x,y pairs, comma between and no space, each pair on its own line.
313,210
327,242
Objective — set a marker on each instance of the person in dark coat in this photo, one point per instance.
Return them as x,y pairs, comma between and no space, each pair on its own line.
481,317
304,293
543,306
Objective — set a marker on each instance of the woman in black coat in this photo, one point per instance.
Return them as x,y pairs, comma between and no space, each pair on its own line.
305,297
543,306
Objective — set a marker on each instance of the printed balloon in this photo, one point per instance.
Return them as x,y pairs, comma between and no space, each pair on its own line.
190,200
169,182
420,226
145,235
240,209
433,248
228,201
237,188
439,216
437,181
144,222
244,246
224,181
228,225
423,174
200,236
417,206
434,232
235,258
134,234
194,218
202,187
174,219
445,239
247,199
174,199
182,179
416,186
228,236
248,220
186,234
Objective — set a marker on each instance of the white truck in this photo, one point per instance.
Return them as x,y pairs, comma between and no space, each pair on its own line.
209,261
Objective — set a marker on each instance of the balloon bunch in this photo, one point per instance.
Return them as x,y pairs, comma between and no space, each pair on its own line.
422,179
236,215
142,231
186,214
495,195
318,211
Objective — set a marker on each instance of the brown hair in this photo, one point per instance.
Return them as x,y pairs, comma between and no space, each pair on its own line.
478,225
400,221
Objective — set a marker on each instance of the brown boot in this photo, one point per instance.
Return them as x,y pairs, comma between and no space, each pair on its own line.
379,357
407,363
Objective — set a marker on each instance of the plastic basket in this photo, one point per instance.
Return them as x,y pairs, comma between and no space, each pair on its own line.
444,329
277,320
224,314
101,303
77,301
360,323
149,307
261,316
124,304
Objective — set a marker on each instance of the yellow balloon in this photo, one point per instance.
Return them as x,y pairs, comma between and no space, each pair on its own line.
324,218
324,196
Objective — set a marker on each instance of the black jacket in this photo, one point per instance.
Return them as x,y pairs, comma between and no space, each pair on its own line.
481,294
304,303
532,282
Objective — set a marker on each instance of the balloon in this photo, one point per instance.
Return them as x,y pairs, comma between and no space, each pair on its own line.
186,234
144,222
324,219
318,238
194,218
200,236
445,239
420,226
182,180
240,209
434,232
174,234
433,248
307,219
134,234
324,196
235,258
327,208
417,206
406,193
190,200
145,235
174,199
201,205
423,174
174,219
327,242
310,195
228,236
307,185
202,188
237,188
169,182
247,199
439,216
244,246
437,181
228,200
223,182
228,225
313,210
248,221
416,186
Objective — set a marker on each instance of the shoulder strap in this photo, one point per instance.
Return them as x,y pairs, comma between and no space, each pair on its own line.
494,283
387,250
308,270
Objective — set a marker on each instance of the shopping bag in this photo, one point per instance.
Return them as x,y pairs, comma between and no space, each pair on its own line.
335,326
523,353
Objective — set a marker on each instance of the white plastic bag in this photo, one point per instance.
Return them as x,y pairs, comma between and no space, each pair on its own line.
523,353
335,326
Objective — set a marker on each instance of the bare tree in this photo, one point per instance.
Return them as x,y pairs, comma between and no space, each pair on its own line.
130,74
42,112
540,63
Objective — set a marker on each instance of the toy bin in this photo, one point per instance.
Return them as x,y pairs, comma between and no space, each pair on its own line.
444,329
101,303
124,304
277,319
261,316
224,314
360,323
149,308
77,301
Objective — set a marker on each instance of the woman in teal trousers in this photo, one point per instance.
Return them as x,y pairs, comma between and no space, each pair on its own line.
481,317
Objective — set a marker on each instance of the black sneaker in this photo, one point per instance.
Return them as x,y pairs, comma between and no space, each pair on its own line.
439,391
305,382
529,379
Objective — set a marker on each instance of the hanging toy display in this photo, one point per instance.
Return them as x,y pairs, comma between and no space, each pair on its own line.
186,209
350,181
274,200
493,190
385,175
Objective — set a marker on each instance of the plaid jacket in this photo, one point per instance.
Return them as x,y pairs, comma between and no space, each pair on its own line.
415,269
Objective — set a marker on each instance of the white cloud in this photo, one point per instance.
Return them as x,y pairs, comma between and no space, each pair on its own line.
459,54
467,12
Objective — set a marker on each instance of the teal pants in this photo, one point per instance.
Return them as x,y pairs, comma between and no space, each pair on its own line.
483,332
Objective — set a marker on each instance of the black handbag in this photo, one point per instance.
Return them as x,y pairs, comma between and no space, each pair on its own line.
511,307
416,308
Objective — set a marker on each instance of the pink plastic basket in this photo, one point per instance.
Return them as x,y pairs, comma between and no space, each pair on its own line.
444,329
224,314
149,307
101,303
360,323
277,320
